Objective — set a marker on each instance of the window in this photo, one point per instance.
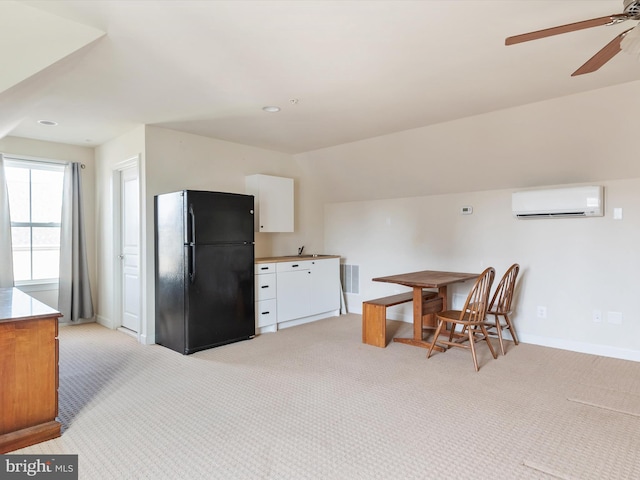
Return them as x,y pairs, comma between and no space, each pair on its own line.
35,204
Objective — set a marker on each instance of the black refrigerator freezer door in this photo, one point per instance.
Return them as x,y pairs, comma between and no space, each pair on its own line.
215,217
220,305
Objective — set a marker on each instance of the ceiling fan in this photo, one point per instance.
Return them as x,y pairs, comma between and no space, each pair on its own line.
629,40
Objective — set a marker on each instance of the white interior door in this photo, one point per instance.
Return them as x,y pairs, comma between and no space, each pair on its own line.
130,248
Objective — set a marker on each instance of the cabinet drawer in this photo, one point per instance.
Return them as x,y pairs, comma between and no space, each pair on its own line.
261,268
293,266
265,286
266,313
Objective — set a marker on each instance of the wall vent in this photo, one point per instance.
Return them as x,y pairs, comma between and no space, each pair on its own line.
350,278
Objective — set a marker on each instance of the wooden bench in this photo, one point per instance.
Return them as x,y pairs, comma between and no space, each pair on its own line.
374,315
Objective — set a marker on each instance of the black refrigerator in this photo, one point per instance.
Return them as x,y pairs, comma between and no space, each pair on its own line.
204,262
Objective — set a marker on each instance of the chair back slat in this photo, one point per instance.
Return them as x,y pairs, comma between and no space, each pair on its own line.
501,301
477,303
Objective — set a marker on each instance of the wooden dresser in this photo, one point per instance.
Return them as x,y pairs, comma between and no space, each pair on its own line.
28,371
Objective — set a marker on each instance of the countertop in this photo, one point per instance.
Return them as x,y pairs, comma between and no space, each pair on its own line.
293,258
17,305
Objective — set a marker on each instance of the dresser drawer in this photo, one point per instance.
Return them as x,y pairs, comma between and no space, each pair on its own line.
265,286
293,266
261,268
265,313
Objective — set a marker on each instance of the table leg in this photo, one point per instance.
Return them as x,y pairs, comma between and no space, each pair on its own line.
417,339
417,313
442,292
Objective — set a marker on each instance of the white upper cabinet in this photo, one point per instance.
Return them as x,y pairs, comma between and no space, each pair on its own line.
273,202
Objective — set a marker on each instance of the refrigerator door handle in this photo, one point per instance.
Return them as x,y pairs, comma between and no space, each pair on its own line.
192,245
192,240
192,273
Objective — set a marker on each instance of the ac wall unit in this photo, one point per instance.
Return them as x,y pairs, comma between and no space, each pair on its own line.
559,202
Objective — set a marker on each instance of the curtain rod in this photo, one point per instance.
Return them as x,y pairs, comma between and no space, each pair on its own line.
38,160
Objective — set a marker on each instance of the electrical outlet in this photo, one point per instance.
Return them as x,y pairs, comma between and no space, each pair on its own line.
617,214
597,316
542,312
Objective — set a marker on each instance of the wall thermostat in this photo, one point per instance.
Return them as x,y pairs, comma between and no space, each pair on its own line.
466,210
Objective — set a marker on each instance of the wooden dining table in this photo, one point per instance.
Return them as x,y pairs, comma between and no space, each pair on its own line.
419,281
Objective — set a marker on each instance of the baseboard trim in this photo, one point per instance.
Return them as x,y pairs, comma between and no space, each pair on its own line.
562,344
311,318
105,322
581,347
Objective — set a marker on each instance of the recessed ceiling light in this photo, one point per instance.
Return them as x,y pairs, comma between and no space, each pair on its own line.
48,123
271,109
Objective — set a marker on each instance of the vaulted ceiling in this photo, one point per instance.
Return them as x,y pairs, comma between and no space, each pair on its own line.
340,71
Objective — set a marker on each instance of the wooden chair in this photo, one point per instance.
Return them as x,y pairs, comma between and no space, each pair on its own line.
471,317
501,306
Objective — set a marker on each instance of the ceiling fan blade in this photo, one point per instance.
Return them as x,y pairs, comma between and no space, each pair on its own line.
609,51
571,27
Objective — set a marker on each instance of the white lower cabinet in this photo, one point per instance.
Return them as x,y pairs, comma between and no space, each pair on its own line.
265,288
294,290
303,291
325,285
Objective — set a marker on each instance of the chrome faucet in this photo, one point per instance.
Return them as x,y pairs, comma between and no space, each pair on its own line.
300,250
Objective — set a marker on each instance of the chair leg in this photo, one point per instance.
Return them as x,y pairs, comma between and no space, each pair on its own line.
486,337
499,330
435,337
453,331
510,327
470,333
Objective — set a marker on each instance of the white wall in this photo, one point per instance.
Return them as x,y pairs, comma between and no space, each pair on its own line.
570,266
108,157
179,161
392,206
70,153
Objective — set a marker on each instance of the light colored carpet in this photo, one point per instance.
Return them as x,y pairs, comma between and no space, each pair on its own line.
313,402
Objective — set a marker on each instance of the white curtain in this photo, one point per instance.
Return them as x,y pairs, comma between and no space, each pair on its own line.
74,296
6,255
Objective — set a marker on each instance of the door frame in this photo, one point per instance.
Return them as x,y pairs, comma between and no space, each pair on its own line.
116,196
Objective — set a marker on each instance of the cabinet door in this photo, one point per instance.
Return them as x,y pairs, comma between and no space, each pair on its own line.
273,202
293,294
325,285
